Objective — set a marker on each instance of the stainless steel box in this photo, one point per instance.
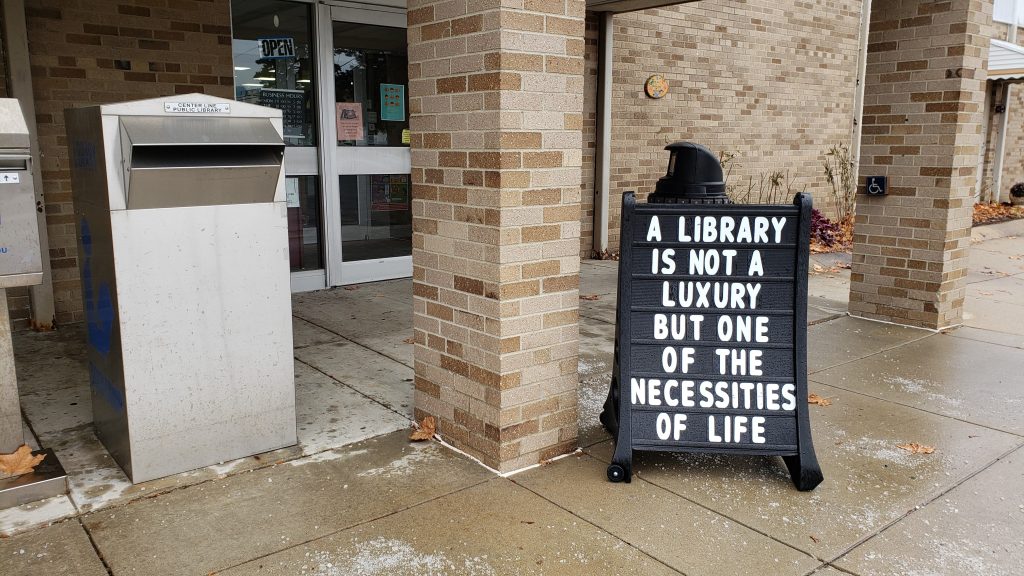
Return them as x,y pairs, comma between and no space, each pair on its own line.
183,254
20,260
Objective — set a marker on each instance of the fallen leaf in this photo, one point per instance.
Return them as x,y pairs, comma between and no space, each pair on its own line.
19,462
818,268
843,265
351,287
589,297
409,340
915,448
991,213
425,431
814,539
815,399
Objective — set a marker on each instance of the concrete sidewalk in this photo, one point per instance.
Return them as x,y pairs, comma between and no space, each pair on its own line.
356,498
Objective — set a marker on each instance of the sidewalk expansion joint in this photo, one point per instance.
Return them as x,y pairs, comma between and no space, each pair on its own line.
95,546
918,408
600,528
925,504
351,526
364,395
637,477
353,341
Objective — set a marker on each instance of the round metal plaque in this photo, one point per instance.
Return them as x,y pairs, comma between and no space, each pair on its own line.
656,86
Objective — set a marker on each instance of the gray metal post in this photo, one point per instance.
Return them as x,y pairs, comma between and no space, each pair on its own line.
1002,123
20,77
11,432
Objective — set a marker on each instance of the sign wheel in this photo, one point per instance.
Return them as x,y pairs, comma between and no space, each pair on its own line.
616,473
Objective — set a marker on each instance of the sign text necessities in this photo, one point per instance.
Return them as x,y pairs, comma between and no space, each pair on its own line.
711,336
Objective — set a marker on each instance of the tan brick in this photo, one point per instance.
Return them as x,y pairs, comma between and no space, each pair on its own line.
541,269
541,233
542,159
514,61
487,162
495,81
451,85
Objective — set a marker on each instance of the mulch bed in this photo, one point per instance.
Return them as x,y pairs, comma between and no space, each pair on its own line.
993,213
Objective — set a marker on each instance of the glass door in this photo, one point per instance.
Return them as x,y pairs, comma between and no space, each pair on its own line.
274,60
366,142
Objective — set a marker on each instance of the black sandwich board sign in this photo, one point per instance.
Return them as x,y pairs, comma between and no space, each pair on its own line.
711,340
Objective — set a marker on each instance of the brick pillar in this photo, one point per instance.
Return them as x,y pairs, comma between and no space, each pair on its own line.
496,98
924,94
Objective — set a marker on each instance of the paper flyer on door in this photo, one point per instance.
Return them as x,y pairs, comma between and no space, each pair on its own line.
349,117
392,102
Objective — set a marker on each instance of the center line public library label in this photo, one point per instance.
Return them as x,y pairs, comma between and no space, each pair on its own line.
712,332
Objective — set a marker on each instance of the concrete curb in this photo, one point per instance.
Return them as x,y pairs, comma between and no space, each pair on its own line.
994,231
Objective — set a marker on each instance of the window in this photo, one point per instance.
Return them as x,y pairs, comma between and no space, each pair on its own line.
272,49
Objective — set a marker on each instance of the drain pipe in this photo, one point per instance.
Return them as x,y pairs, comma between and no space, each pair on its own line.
603,172
858,95
1002,121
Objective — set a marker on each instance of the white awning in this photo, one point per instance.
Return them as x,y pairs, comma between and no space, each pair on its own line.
1005,61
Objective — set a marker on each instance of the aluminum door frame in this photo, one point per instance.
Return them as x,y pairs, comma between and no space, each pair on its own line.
305,161
339,272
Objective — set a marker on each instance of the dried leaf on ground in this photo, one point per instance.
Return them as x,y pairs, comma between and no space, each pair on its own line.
843,241
818,400
843,265
606,255
19,462
351,287
818,268
915,448
992,213
425,431
409,340
815,539
590,297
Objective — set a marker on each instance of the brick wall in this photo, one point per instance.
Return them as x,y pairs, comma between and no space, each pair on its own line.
590,118
3,60
924,94
18,303
1013,158
496,114
772,82
102,51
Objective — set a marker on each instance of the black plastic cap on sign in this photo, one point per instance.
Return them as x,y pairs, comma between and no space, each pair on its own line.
694,176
